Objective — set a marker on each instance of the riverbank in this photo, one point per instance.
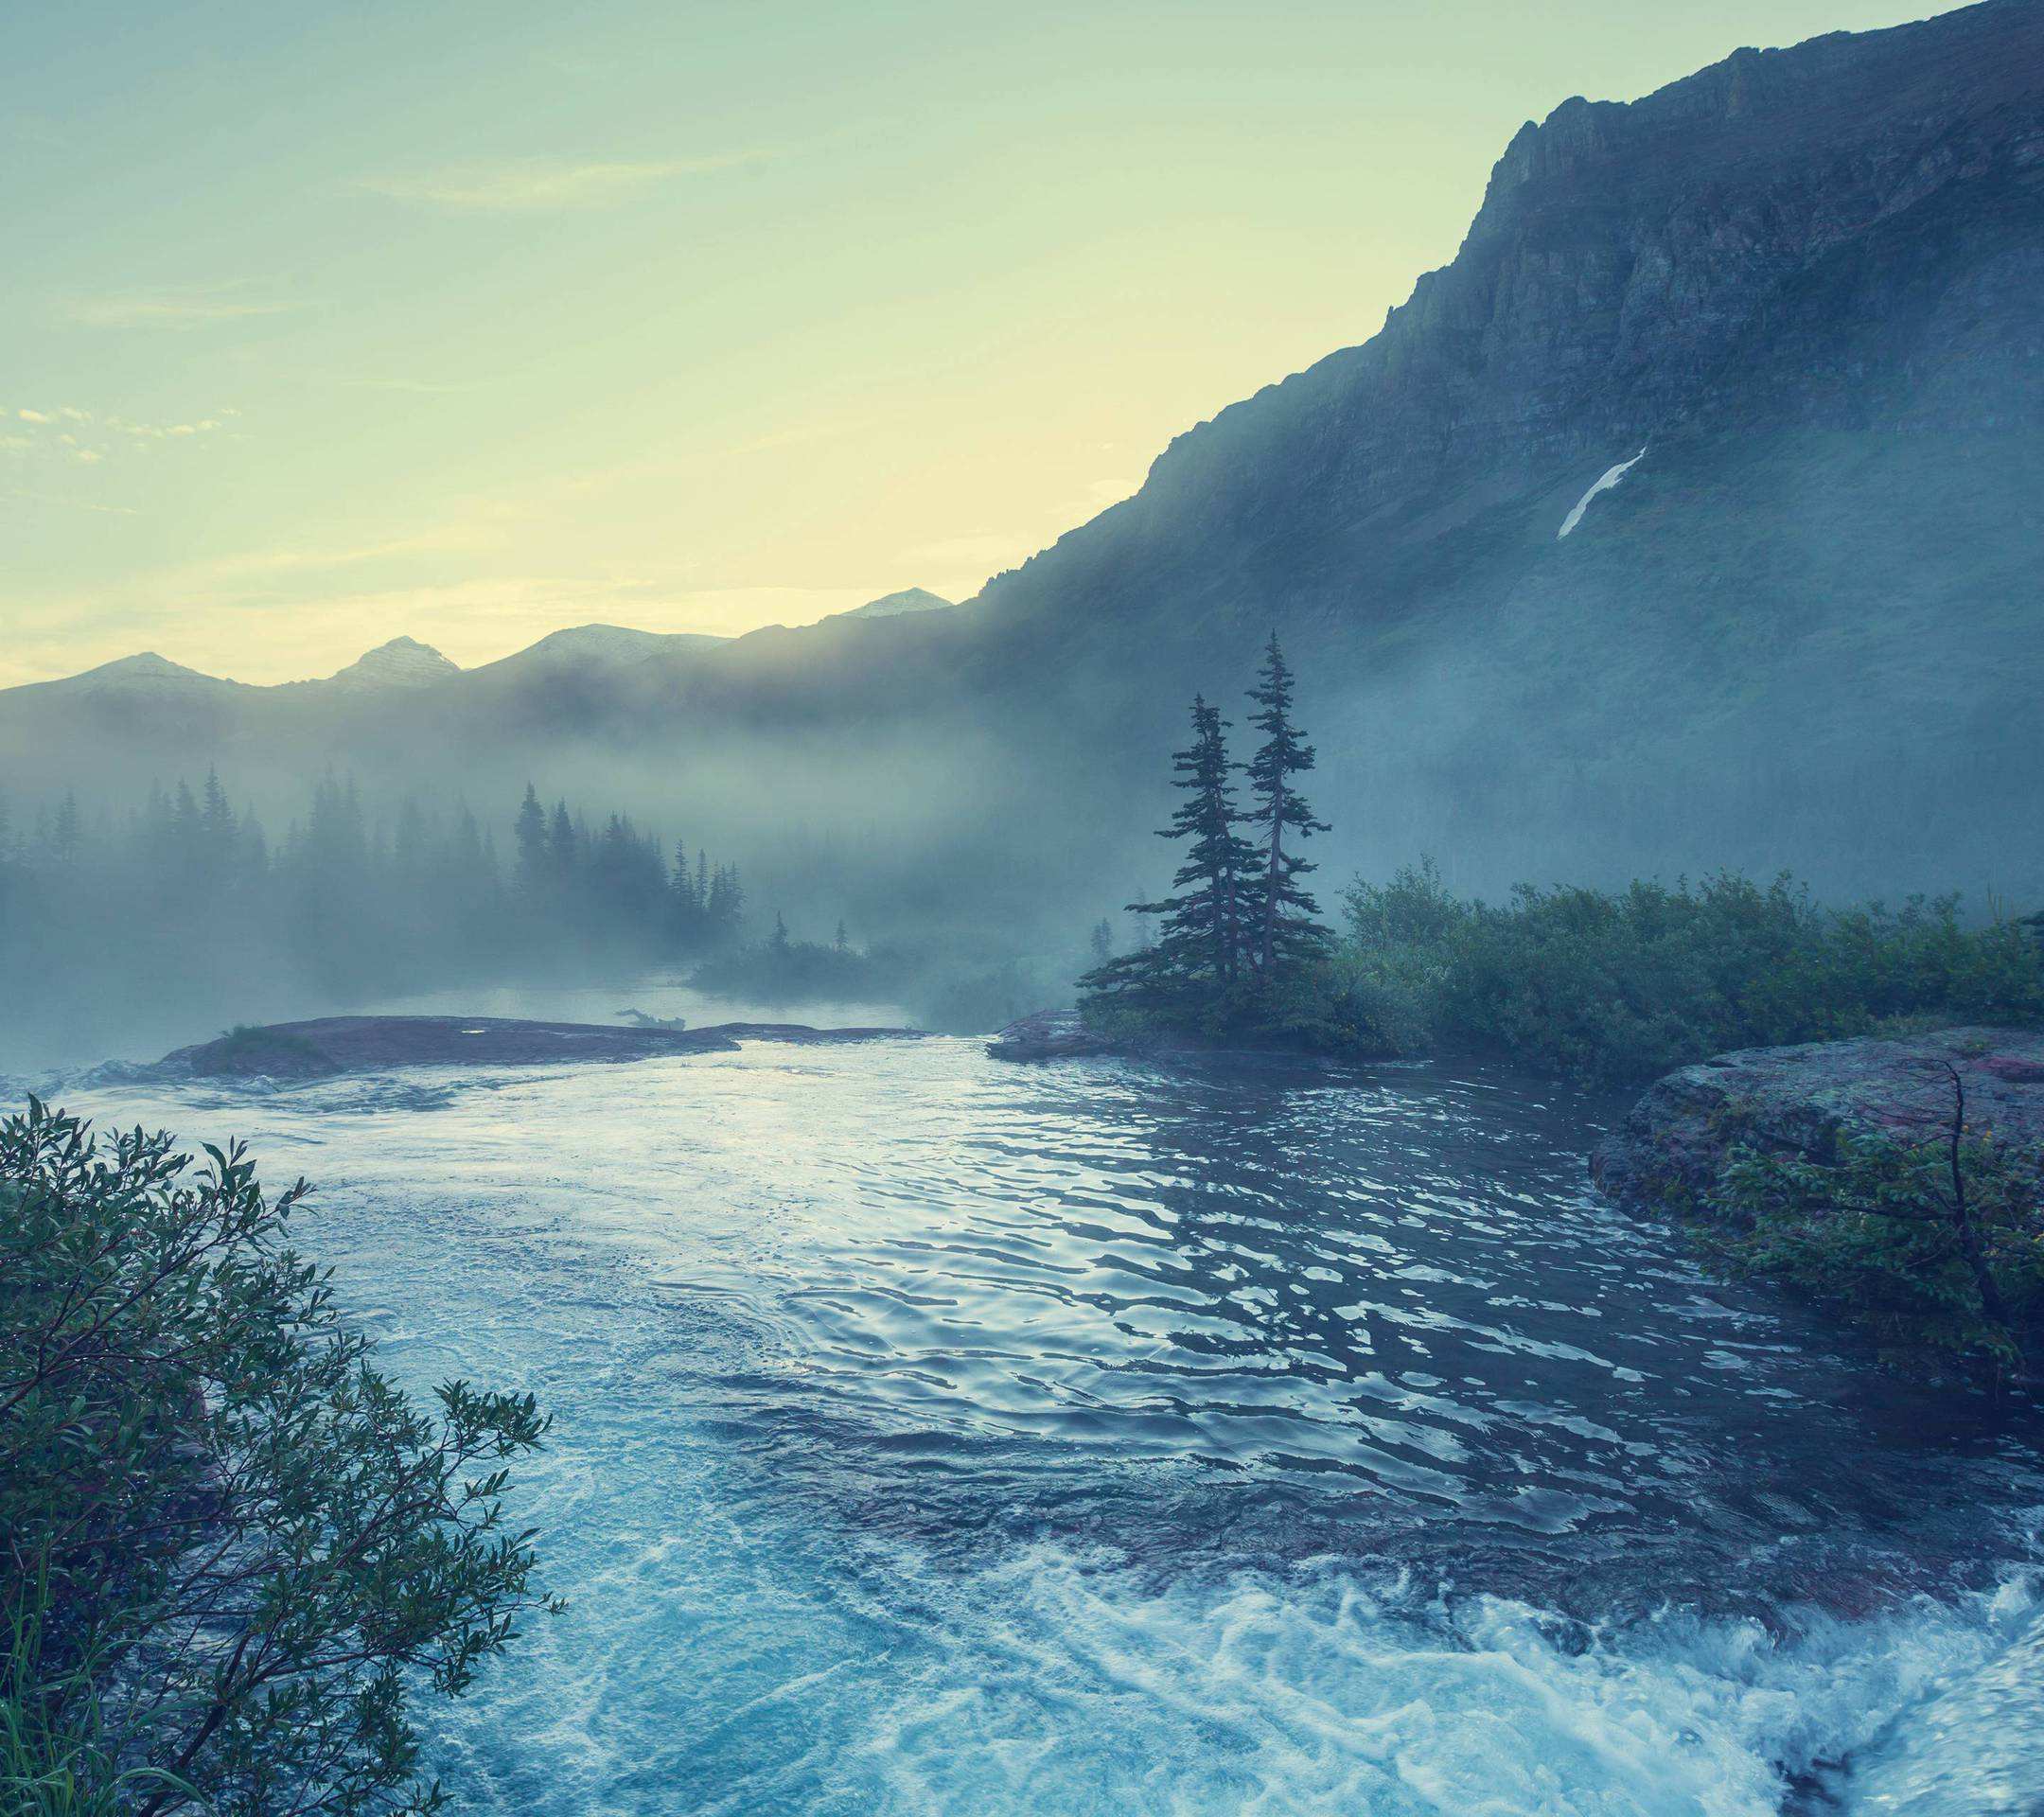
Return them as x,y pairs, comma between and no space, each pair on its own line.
1674,1145
328,1046
1899,1181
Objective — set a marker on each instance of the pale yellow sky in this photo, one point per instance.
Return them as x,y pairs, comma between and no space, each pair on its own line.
469,323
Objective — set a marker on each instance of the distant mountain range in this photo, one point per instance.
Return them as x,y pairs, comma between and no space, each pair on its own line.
405,662
1767,346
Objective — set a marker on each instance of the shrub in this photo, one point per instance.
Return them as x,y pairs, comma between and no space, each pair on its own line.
1625,986
230,1551
1934,1245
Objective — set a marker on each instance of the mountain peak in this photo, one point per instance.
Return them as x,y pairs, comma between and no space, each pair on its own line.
144,663
403,662
910,599
145,670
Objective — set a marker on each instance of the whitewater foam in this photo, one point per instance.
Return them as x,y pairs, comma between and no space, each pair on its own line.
935,1437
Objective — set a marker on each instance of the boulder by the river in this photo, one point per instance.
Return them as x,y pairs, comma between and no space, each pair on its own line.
1672,1147
1049,1035
340,1043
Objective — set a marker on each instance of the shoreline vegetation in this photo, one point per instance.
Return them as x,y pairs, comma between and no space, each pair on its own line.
1936,1243
1897,1179
1611,987
233,1556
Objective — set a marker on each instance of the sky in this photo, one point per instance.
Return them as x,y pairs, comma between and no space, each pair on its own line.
327,325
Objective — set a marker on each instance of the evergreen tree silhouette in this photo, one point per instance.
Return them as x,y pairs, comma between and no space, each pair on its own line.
1284,917
1199,948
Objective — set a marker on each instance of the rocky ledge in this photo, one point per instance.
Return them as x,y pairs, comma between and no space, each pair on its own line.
338,1044
1672,1146
1049,1035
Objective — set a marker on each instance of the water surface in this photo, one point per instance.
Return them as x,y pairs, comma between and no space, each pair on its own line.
940,1436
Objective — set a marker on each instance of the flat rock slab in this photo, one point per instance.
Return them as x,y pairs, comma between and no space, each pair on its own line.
1673,1144
338,1044
1049,1035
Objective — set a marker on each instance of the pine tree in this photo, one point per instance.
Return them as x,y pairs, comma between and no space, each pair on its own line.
1101,940
1200,948
684,903
1284,917
564,845
218,828
532,840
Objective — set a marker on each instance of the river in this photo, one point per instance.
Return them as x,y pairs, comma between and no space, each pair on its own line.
935,1434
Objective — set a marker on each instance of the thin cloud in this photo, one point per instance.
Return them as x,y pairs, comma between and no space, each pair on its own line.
168,310
545,186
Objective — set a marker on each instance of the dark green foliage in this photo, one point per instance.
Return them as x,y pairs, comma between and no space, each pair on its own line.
782,969
1283,917
1202,952
231,1553
1625,986
1236,946
1931,1245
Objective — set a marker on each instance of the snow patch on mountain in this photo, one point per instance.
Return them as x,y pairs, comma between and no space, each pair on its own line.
1611,477
403,662
910,599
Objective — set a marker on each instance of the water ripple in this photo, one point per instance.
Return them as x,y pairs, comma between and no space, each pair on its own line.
940,1436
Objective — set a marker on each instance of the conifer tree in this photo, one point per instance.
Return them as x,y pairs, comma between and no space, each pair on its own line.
1286,929
563,846
1200,948
217,826
686,906
532,840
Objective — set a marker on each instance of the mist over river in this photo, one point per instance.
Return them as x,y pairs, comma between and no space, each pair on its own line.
935,1434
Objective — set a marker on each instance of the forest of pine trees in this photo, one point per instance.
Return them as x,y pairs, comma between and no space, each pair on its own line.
1240,934
186,896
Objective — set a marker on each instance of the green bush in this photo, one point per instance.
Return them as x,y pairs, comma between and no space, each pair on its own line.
1935,1246
1622,987
231,1552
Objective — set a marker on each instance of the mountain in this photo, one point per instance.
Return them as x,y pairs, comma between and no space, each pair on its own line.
600,646
142,675
1788,313
403,662
910,599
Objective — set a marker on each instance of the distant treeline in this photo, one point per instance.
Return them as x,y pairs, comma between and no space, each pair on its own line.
187,896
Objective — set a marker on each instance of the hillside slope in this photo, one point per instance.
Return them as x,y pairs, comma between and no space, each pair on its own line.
1805,288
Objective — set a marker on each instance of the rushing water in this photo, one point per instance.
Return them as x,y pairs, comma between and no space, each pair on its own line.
940,1436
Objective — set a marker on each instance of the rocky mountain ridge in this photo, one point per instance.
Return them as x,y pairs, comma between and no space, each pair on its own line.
1803,633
